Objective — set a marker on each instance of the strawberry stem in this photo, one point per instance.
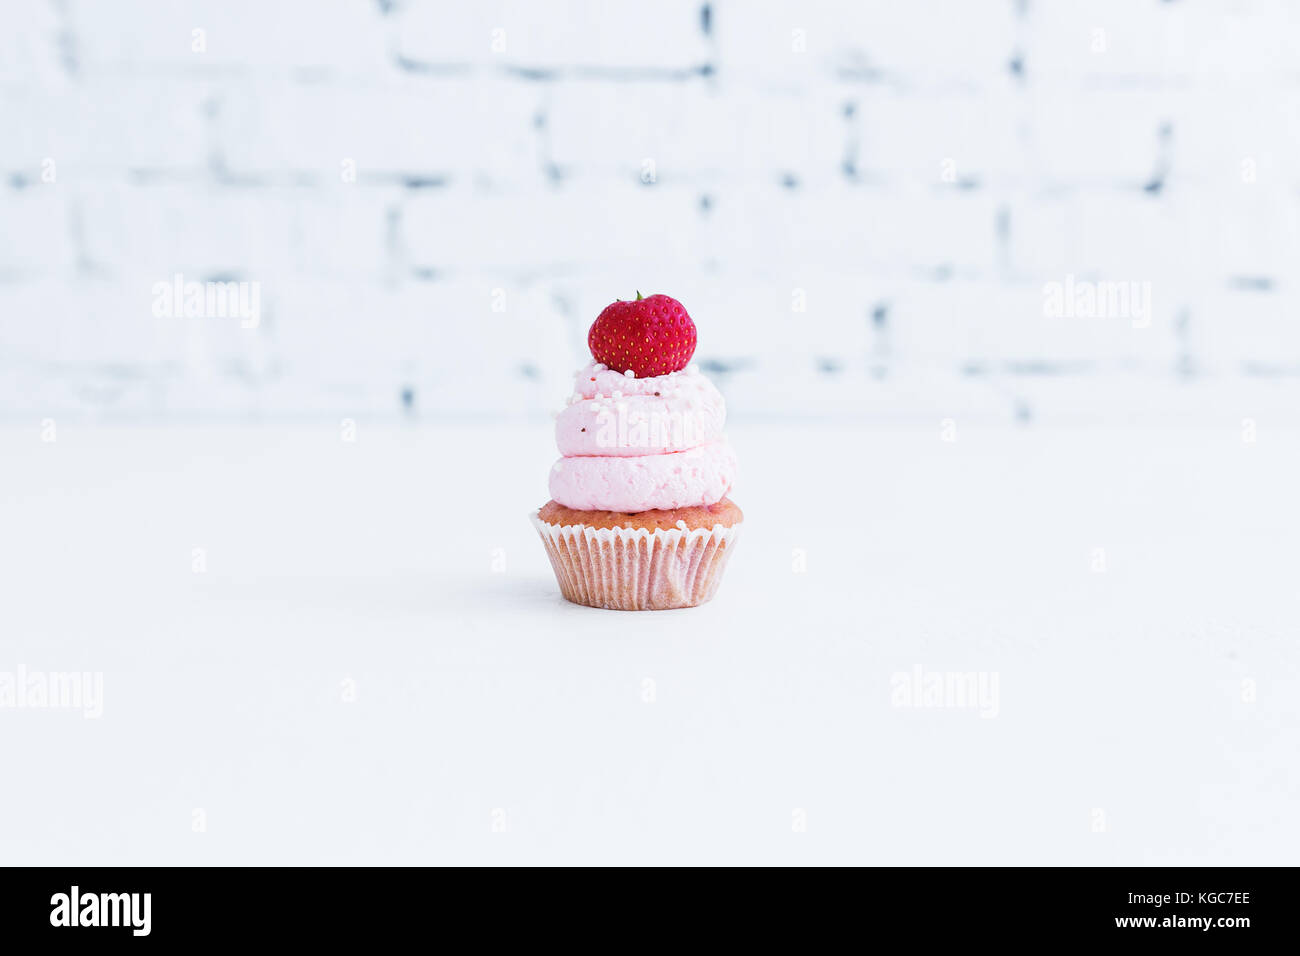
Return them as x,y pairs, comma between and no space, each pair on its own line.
638,296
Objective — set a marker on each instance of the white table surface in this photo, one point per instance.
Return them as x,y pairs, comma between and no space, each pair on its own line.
495,723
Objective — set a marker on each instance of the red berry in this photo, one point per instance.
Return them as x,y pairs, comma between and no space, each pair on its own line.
650,336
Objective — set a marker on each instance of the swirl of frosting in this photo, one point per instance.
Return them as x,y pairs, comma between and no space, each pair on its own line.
635,445
667,413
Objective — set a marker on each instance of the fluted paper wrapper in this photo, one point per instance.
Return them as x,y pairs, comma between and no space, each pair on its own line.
636,569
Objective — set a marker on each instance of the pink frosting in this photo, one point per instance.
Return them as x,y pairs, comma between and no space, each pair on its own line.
594,378
658,415
684,479
634,444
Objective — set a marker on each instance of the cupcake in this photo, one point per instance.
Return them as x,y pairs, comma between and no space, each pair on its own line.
639,518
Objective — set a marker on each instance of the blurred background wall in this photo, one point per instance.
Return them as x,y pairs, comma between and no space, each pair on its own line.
863,205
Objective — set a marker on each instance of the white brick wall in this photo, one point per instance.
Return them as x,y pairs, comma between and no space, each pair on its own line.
914,171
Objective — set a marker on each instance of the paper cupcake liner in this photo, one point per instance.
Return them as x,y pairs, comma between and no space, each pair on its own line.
636,569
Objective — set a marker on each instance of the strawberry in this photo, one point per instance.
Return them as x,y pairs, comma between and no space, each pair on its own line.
647,336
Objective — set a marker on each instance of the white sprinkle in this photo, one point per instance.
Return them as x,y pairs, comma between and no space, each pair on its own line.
630,374
599,396
601,367
681,523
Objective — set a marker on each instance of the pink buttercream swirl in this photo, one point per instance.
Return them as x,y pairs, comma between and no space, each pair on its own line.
634,444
